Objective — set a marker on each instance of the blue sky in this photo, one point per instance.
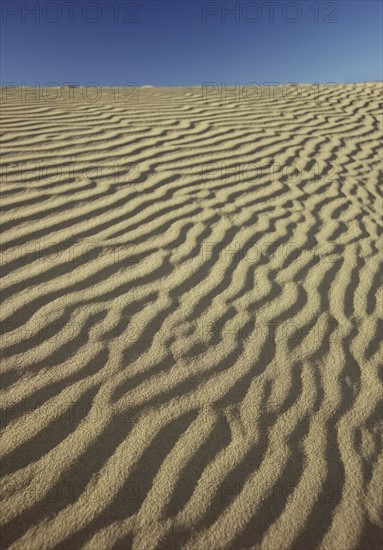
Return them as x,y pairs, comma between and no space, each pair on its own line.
180,42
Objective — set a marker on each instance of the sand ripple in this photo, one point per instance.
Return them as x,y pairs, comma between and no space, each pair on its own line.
191,322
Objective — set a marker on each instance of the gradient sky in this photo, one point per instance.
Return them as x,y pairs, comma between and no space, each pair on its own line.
177,43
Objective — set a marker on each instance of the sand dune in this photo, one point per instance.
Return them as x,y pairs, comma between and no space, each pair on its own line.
191,320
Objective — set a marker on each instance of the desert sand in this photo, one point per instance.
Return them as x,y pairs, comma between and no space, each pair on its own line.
192,319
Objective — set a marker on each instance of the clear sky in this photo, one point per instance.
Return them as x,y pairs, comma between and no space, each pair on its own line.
181,42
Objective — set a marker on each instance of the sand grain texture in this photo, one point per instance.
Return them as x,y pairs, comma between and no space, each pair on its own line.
191,321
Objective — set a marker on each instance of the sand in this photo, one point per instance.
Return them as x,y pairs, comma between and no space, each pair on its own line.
192,319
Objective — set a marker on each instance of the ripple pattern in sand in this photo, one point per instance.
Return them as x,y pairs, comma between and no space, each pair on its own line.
191,322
